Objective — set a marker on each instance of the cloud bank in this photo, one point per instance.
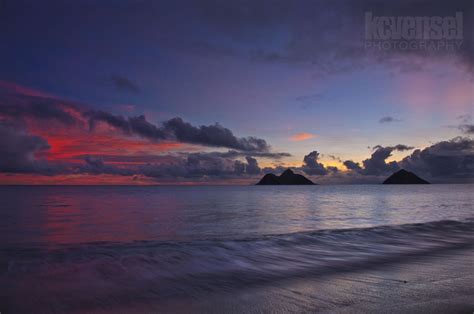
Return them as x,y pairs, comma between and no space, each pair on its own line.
30,144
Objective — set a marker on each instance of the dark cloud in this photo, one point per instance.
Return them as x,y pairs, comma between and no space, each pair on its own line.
465,124
351,165
234,154
94,162
467,128
96,165
205,165
398,147
201,165
19,150
211,165
131,125
252,166
376,165
213,135
239,167
147,158
388,119
124,84
444,160
192,165
17,106
139,125
311,165
179,130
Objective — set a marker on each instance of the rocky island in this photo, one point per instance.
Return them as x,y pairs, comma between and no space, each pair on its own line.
288,177
404,177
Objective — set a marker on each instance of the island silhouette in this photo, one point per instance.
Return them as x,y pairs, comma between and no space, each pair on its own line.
288,177
404,177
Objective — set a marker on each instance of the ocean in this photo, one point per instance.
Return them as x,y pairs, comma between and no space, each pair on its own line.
109,248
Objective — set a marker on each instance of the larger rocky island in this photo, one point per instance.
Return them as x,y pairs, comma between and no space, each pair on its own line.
288,177
404,177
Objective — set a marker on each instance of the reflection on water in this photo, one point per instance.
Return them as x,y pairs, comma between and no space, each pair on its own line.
66,215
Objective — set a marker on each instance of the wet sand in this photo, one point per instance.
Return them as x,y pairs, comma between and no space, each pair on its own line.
432,284
435,284
438,283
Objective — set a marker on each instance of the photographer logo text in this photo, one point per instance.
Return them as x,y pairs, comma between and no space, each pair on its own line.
414,32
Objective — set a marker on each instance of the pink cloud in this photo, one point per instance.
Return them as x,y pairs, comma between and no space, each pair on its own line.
302,137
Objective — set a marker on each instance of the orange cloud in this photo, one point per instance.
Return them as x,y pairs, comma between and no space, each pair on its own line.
302,137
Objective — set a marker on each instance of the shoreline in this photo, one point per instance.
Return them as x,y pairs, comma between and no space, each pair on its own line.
438,283
410,268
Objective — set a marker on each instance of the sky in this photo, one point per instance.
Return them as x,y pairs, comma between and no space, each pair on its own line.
222,92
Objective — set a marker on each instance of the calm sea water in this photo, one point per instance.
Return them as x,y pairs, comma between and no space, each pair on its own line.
68,215
155,243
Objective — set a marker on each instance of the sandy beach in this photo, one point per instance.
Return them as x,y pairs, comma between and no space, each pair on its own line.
439,283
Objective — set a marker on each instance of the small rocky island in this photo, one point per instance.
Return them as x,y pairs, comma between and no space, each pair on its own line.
404,177
288,177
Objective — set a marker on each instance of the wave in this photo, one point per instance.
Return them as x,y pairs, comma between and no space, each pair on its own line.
165,269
